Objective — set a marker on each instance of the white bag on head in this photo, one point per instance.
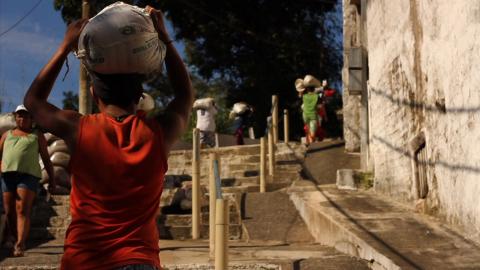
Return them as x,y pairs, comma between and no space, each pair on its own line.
203,103
121,39
240,107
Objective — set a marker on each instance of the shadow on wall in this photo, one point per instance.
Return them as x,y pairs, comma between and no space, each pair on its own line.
439,107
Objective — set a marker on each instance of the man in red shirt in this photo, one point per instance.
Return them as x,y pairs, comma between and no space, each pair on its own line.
119,159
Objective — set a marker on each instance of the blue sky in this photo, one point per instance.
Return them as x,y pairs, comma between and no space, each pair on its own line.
28,47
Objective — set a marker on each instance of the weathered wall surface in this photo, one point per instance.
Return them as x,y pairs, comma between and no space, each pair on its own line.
351,103
424,76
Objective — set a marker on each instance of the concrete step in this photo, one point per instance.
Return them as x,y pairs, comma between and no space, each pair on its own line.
186,220
185,232
42,211
52,221
385,233
46,233
272,216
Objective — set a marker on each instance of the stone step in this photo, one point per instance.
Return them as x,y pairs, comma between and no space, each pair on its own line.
186,220
51,210
185,232
52,221
46,233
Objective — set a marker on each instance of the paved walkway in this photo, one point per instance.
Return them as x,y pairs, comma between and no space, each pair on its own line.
326,157
370,226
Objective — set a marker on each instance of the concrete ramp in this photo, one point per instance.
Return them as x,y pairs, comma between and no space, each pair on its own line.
272,216
387,234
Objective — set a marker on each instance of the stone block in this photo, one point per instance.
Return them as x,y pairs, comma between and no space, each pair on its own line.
346,179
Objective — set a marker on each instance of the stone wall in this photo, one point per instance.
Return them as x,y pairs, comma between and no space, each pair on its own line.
351,103
423,77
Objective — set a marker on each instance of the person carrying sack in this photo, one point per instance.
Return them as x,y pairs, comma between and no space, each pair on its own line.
118,161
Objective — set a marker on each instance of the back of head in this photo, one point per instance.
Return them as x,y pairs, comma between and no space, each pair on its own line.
117,89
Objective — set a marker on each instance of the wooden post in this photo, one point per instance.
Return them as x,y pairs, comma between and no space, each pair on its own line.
221,235
84,97
217,141
271,153
212,190
263,164
275,118
286,137
196,185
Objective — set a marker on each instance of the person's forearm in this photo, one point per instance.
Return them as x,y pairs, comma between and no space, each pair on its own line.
43,83
178,76
50,172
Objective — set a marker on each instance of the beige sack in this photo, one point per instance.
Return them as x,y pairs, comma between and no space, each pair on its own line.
62,177
7,122
203,103
57,146
60,159
50,138
240,107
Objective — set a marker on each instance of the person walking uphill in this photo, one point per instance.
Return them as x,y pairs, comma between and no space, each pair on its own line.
206,111
306,89
119,158
20,149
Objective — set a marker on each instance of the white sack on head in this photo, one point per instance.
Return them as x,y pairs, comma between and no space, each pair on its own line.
240,107
146,103
121,39
203,103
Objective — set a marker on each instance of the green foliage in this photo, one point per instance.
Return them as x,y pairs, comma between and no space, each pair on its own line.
70,101
365,180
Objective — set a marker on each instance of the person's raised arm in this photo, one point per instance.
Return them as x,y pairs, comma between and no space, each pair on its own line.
178,111
59,122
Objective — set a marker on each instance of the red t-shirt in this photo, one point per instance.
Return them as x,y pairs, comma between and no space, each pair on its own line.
117,171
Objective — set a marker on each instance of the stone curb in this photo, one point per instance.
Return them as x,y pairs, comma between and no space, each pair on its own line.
327,231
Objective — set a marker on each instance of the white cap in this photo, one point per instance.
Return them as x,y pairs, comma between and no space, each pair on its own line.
21,107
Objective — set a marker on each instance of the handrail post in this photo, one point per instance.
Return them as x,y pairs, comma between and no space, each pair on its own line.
271,153
195,185
221,234
263,164
286,137
212,201
275,118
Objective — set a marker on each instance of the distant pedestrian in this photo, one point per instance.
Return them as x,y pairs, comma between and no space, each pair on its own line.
20,149
206,112
242,115
310,101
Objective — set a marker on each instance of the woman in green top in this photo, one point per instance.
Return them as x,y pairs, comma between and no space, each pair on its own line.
310,114
19,150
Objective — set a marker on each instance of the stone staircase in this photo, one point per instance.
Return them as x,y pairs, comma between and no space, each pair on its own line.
50,219
239,173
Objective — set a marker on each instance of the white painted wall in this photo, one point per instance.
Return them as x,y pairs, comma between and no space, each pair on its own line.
423,53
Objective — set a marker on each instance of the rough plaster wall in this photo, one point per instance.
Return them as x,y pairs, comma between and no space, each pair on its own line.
351,103
423,57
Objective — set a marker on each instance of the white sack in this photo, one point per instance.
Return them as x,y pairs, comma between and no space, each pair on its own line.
7,122
146,103
240,107
203,103
121,39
